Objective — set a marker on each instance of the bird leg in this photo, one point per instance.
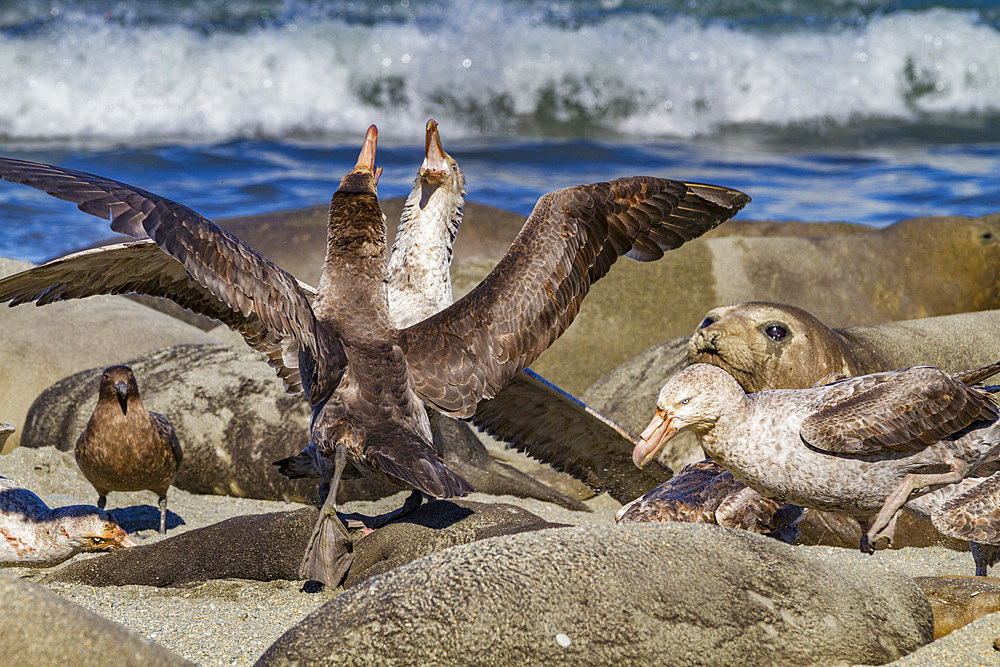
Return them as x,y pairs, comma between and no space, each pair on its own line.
898,498
163,515
329,553
985,555
102,500
369,524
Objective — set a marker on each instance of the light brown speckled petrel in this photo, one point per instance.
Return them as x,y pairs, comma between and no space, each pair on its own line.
861,446
368,382
125,447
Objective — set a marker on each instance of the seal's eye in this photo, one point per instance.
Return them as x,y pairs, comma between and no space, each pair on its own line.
776,332
706,322
987,236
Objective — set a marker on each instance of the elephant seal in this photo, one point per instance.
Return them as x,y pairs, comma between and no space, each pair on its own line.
771,346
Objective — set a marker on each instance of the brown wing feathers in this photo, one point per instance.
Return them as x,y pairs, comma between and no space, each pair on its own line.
539,418
907,411
231,270
571,239
141,267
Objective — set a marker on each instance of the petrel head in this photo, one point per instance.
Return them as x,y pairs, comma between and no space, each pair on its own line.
364,177
694,399
88,528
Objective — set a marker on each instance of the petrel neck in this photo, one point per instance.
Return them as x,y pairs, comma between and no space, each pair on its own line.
420,263
352,289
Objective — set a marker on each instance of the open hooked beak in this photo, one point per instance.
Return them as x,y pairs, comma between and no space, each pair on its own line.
659,431
435,164
366,159
121,388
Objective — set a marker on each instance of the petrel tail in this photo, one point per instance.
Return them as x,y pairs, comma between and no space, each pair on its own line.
299,466
413,461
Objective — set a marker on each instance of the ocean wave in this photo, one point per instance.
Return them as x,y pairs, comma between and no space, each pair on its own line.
483,68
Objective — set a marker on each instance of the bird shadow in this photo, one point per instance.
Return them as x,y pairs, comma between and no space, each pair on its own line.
435,514
143,517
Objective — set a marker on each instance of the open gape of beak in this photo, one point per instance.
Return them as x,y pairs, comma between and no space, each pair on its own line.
435,165
659,431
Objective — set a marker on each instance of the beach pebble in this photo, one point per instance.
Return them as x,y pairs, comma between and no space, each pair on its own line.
663,593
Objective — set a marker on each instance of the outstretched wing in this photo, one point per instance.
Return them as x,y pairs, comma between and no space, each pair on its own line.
140,267
900,411
235,273
468,351
538,418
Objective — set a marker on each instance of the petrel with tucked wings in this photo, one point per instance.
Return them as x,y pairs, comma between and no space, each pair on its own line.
367,382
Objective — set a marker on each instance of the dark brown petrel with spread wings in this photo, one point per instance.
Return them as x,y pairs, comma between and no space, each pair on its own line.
366,381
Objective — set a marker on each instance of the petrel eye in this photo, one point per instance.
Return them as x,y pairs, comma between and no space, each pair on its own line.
706,322
96,540
685,401
776,332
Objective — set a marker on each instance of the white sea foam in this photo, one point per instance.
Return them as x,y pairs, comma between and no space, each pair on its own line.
485,67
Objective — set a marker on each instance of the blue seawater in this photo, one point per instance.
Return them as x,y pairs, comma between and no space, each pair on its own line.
821,110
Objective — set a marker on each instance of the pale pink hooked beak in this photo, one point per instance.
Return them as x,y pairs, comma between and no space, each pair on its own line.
121,540
366,159
652,440
435,161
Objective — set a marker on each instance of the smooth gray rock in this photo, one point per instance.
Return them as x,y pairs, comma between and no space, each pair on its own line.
646,594
41,629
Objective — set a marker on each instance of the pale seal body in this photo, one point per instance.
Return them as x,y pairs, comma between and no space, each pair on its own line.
35,535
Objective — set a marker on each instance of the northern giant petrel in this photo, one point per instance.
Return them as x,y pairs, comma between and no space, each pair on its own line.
366,381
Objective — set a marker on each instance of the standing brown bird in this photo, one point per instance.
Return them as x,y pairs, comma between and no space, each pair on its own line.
125,447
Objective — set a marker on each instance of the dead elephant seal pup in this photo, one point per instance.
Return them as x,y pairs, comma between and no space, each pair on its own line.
125,447
37,536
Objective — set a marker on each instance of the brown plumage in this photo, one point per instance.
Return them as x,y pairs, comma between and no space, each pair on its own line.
125,447
366,381
974,516
537,417
705,492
